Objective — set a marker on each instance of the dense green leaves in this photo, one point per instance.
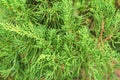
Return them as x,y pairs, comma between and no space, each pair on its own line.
59,39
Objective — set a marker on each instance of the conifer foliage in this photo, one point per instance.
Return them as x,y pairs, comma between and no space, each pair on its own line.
59,39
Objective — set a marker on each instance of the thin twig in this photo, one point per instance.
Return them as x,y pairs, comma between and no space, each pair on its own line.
101,33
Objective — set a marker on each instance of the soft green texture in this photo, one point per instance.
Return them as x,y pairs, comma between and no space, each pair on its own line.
59,39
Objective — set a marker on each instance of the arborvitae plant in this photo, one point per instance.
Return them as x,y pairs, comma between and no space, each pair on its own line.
59,39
